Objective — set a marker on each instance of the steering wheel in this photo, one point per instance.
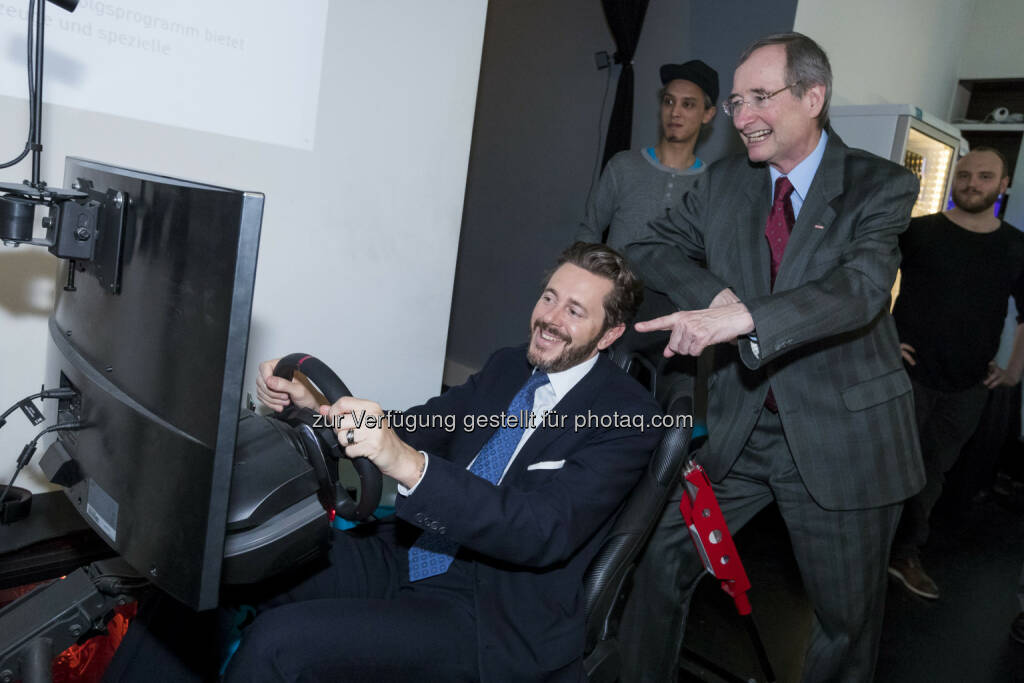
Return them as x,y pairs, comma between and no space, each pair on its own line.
321,444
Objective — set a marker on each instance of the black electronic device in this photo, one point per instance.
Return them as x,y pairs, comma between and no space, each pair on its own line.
163,469
321,447
160,464
285,476
157,364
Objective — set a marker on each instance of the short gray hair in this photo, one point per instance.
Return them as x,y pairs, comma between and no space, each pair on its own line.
806,65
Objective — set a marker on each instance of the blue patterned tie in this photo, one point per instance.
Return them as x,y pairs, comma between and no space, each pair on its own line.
433,553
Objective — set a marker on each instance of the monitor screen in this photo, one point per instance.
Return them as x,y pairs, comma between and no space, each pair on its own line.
158,365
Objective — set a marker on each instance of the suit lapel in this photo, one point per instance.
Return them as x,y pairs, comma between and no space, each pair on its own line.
757,272
576,402
816,215
508,383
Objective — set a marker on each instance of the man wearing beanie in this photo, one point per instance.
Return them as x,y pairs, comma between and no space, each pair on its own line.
639,185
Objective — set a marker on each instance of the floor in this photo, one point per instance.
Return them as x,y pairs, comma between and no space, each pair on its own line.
975,555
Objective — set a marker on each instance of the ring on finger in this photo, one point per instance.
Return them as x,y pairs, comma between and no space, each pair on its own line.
350,437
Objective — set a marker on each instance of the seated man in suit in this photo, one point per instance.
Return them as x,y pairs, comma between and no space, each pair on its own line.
480,575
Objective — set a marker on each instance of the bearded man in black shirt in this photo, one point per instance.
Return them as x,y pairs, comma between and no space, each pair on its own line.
959,267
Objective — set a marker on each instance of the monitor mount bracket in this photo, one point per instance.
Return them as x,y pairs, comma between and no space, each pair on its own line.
83,226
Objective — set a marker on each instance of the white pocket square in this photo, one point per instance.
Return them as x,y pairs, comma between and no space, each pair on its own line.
546,465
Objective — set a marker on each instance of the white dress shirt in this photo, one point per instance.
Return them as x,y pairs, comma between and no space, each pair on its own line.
545,399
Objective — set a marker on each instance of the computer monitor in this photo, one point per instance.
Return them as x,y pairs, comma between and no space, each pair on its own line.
158,363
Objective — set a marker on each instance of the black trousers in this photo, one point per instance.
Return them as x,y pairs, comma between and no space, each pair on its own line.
1020,589
355,617
842,555
945,422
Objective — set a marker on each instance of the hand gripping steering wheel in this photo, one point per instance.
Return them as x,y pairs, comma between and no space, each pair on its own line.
321,444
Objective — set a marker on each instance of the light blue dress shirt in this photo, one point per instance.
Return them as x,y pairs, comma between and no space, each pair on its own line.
801,176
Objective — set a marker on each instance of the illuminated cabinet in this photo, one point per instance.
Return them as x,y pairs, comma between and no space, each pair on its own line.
904,134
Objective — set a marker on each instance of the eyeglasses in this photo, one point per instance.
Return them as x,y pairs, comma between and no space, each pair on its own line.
733,106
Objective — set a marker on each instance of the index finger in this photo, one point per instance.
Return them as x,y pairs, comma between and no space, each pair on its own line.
665,322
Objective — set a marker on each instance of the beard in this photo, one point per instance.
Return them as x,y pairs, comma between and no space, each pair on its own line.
973,202
676,137
571,355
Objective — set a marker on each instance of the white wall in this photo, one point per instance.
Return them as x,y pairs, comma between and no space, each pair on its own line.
228,55
884,52
993,43
359,234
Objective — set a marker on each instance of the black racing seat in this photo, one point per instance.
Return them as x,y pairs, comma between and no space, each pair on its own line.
609,577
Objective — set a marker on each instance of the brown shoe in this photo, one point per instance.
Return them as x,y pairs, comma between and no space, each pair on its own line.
912,575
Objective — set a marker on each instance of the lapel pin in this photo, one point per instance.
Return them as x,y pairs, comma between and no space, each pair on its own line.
819,226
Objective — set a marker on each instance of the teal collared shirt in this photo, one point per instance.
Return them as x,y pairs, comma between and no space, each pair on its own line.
697,163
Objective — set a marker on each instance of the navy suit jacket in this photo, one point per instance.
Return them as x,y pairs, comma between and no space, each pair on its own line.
531,539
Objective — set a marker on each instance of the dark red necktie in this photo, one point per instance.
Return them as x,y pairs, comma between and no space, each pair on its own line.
780,224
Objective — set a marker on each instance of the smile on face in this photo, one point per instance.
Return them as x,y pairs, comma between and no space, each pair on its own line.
567,325
785,131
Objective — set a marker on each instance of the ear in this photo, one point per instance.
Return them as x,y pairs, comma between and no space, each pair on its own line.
1003,184
610,336
814,96
709,114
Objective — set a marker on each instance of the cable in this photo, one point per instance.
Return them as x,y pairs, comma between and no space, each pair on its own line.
58,393
29,43
30,448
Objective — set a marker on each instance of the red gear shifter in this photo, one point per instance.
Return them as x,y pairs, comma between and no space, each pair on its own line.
710,534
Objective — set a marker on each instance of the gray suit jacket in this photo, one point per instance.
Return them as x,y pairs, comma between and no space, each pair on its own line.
827,344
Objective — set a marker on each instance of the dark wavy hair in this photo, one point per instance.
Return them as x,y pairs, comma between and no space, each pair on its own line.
620,304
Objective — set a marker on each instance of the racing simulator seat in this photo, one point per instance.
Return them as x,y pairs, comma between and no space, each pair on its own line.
609,578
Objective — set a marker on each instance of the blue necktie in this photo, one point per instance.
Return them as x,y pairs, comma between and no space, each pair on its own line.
433,554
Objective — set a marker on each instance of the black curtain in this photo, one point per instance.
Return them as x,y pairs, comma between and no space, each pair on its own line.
625,19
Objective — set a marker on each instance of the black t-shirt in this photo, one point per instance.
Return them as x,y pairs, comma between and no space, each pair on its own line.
953,297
